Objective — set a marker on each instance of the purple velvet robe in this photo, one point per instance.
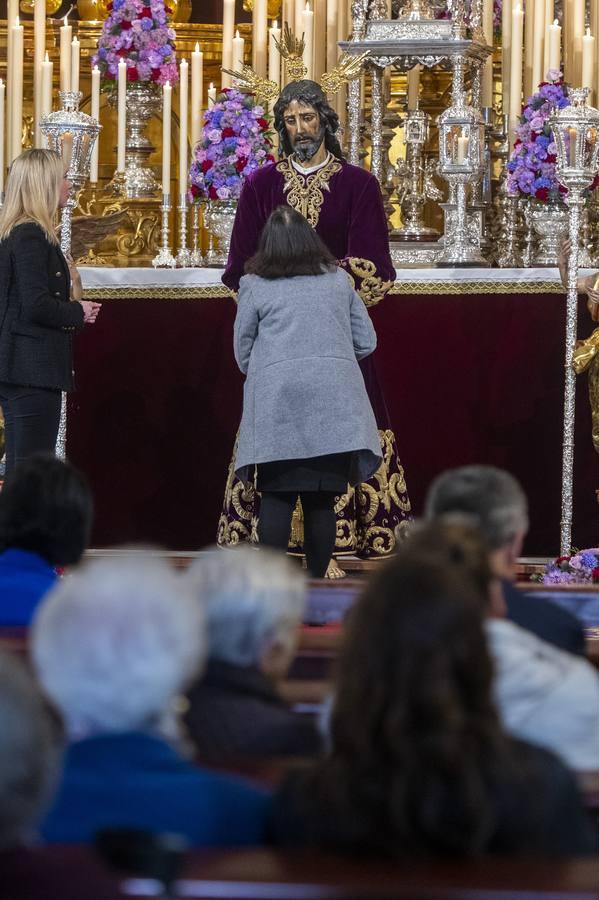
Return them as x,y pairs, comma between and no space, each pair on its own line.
352,223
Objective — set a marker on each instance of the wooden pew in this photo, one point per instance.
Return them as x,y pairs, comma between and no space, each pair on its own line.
271,875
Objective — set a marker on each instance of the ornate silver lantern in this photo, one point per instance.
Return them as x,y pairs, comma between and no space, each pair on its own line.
72,134
461,163
416,184
575,131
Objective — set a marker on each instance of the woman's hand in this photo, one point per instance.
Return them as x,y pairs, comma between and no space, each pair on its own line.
90,311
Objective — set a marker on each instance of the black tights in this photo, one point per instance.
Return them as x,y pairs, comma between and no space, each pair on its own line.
31,421
274,525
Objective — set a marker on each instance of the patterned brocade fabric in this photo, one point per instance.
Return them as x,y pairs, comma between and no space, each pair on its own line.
371,518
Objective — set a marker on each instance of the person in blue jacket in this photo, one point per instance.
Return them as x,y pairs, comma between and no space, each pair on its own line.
46,512
114,645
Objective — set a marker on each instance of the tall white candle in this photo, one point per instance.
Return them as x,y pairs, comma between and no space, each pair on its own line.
555,46
95,112
16,33
588,60
46,100
274,56
2,104
183,115
529,35
167,100
75,58
462,149
320,44
332,49
238,52
506,54
299,18
121,115
578,20
516,72
537,47
39,48
66,37
12,11
259,37
548,20
413,86
211,96
228,31
197,77
308,20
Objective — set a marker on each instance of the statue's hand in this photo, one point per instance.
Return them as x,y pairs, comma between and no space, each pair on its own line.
593,304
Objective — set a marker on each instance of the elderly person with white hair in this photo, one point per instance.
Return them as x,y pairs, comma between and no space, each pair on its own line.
253,602
114,646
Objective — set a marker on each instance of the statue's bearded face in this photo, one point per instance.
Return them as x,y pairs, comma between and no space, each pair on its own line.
304,128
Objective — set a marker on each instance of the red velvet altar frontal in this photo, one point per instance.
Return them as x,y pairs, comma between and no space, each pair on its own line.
467,379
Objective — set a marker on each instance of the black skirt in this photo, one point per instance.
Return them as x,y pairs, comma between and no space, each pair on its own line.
320,473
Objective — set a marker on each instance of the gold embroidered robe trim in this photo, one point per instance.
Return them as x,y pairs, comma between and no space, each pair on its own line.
306,195
372,288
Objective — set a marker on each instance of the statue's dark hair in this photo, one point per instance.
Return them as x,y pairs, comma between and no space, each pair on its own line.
311,94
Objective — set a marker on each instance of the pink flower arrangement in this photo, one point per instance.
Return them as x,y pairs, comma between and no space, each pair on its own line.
581,567
235,141
531,168
138,32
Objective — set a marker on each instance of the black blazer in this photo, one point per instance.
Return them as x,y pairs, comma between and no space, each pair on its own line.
36,318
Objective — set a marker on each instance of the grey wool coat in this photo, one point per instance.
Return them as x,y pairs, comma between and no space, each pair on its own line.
298,341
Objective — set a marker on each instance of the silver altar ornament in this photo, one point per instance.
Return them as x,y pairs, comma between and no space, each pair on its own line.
416,184
416,10
219,216
461,163
72,134
143,101
164,258
575,132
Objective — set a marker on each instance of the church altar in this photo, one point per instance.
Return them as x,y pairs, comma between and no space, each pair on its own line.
471,362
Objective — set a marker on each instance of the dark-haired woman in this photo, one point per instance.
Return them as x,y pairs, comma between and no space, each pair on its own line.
307,427
419,762
46,511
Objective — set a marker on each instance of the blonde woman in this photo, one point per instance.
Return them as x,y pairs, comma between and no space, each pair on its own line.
37,313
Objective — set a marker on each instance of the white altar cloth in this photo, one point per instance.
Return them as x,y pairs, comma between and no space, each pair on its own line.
206,282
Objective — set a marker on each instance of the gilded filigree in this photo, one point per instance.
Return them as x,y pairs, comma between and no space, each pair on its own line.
372,288
305,194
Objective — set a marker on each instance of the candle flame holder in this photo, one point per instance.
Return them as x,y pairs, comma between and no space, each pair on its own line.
184,254
72,134
164,258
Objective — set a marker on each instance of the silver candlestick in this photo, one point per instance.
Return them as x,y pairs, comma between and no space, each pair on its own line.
164,257
184,254
575,133
197,258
